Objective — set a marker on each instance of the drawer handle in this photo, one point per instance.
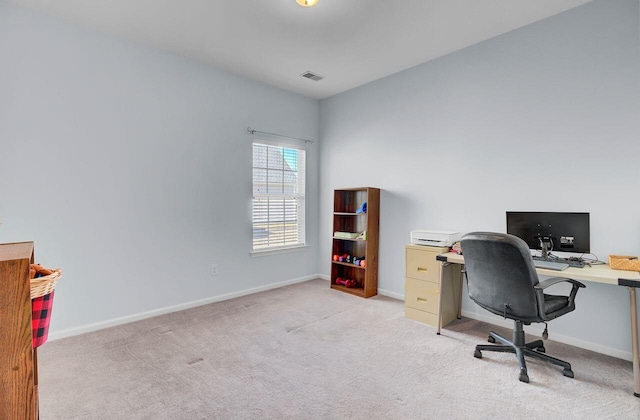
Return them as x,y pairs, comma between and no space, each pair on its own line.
422,269
421,300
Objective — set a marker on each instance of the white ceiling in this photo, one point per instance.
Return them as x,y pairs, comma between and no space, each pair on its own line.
349,42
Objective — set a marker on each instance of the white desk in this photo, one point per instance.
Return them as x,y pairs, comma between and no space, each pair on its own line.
596,274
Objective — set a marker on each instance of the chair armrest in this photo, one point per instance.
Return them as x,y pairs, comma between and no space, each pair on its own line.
539,288
554,280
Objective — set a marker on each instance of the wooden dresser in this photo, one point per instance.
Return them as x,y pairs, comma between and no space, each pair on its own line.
18,360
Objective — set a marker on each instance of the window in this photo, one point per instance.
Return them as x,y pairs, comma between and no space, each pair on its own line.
278,196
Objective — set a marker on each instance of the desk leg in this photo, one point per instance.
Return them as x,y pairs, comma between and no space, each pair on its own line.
440,298
634,342
460,297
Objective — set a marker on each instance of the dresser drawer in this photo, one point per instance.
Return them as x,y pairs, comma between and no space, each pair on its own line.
423,265
421,316
421,295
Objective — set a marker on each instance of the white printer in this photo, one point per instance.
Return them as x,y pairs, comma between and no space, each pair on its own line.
434,237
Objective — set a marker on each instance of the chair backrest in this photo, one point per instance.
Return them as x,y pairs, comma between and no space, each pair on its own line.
500,274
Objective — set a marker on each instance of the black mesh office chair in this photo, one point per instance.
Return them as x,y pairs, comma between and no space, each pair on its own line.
502,279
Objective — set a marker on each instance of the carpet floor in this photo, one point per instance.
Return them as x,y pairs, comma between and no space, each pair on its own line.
308,352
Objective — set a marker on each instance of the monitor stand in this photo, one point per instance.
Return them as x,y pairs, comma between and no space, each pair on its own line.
546,245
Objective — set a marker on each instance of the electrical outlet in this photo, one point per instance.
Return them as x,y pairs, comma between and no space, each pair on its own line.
214,269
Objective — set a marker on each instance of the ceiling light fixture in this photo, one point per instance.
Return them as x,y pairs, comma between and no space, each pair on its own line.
307,3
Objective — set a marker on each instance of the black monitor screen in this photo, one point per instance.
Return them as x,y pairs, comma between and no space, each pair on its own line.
566,232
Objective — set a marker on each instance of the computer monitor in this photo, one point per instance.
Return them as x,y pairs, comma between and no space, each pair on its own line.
547,231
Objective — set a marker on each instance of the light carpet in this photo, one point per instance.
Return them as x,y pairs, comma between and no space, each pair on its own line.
308,352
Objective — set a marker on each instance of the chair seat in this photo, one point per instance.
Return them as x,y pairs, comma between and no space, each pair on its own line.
553,303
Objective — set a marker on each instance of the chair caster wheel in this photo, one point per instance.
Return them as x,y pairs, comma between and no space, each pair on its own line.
477,354
568,373
523,376
491,339
541,349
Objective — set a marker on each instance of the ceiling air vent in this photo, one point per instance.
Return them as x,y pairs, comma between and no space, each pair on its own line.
312,76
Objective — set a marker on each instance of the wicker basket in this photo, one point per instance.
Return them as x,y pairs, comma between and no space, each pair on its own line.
624,262
44,285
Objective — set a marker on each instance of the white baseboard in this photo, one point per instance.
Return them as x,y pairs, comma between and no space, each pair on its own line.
399,296
535,330
598,348
489,319
175,308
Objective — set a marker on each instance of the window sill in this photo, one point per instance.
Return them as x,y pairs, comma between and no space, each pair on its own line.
276,251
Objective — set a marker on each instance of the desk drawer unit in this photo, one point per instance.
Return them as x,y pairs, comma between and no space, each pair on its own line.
422,286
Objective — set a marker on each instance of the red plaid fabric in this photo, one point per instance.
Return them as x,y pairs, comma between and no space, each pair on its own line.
40,317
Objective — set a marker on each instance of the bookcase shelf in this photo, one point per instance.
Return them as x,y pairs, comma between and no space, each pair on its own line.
345,219
358,291
348,265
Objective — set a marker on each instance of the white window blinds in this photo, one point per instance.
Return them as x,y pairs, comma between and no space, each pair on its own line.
278,196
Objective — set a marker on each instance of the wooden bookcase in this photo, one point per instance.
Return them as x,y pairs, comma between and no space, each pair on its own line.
345,219
18,360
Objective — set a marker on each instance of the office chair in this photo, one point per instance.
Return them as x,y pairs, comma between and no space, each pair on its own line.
502,279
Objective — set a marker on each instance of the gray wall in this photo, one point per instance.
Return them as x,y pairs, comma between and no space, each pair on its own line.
130,168
543,118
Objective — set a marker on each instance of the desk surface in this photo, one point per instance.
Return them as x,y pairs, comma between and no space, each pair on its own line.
597,273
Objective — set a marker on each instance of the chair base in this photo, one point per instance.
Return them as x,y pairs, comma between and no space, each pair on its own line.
534,349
